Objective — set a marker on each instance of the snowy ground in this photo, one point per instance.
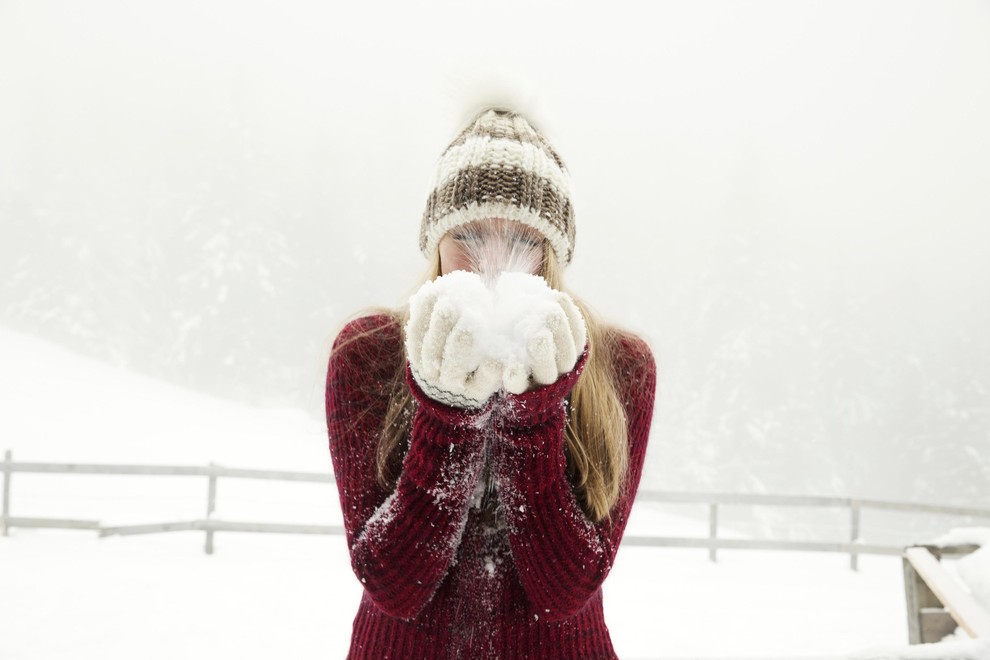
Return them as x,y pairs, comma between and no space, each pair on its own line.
69,594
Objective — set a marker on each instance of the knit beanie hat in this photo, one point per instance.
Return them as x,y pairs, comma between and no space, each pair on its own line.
500,166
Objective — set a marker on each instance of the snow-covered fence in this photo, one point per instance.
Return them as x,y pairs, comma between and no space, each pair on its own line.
854,547
7,521
210,525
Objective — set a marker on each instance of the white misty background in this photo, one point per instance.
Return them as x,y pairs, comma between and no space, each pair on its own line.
787,199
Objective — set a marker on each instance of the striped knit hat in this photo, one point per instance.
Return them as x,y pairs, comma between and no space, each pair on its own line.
501,167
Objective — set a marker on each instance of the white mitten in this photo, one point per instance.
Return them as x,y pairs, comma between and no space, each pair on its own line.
447,318
540,331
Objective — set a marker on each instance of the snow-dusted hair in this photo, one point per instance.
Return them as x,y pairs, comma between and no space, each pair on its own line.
597,445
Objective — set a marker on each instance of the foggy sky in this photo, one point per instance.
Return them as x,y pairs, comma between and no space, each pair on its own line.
813,169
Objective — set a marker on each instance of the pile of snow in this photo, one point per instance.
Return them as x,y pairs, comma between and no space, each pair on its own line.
517,321
973,570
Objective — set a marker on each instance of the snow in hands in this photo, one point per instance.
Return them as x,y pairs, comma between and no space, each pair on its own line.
465,340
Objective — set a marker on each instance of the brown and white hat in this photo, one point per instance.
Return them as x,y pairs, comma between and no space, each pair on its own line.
501,167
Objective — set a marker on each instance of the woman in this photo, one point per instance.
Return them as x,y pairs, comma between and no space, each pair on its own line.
485,495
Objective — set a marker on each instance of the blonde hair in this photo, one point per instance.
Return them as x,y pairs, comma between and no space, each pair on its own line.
596,433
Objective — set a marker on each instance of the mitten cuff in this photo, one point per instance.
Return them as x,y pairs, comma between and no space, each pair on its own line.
450,415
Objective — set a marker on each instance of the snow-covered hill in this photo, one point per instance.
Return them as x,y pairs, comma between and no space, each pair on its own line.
61,406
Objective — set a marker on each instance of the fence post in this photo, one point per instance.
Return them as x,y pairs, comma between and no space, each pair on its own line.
6,491
211,501
712,528
854,534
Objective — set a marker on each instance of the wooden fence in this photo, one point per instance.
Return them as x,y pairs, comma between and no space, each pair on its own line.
210,525
936,603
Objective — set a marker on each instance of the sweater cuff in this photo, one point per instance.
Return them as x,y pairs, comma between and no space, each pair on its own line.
444,414
538,406
446,447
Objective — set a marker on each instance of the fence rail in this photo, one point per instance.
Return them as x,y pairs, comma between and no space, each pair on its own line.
854,546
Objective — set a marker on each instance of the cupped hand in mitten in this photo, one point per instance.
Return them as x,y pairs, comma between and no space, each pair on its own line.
447,318
541,329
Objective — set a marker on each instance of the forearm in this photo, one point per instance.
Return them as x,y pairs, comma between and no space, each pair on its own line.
407,545
562,557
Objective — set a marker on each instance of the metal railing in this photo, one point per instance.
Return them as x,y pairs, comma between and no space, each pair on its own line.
211,525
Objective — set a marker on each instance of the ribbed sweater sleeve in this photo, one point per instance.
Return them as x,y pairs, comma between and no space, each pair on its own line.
561,556
401,542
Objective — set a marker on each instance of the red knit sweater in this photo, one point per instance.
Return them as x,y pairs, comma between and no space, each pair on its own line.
442,576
